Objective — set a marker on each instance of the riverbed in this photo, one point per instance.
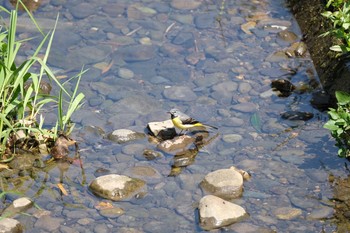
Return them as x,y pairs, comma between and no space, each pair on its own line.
214,60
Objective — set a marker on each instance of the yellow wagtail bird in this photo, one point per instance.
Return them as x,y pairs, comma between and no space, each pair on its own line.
185,122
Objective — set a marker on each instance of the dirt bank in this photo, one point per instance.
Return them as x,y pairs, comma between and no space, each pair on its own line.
333,72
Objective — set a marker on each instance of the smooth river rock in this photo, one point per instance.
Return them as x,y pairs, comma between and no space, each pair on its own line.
215,212
124,135
162,129
116,187
17,206
225,183
137,53
180,93
9,225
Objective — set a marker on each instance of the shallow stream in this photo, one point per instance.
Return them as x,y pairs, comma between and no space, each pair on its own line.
213,60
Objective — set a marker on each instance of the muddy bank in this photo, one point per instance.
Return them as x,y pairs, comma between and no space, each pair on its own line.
332,70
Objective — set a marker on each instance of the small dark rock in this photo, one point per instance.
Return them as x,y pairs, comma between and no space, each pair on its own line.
285,87
296,115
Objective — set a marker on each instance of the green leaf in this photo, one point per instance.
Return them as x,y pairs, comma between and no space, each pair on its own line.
330,125
256,122
343,98
333,115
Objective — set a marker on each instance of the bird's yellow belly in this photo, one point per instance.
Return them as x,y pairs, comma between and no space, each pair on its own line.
178,124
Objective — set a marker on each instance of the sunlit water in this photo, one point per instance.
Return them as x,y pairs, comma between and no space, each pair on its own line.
201,61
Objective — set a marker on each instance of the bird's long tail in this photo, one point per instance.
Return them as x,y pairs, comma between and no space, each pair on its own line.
210,126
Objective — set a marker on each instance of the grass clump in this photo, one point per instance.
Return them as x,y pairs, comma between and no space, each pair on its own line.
339,123
339,15
24,94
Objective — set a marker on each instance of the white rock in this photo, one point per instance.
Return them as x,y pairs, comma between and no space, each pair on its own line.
225,183
22,202
124,135
116,187
17,206
162,128
10,225
215,212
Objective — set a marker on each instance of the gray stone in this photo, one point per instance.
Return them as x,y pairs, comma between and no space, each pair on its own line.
324,212
112,212
173,70
287,213
124,135
226,87
9,225
184,38
140,104
137,53
17,206
205,20
185,4
215,212
116,187
83,10
244,88
180,93
245,107
231,138
125,73
48,223
225,183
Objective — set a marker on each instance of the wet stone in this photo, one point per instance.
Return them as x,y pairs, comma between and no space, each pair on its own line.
17,206
136,103
151,154
174,71
180,142
226,88
136,53
139,11
232,138
48,223
224,183
287,213
185,4
112,212
215,212
244,88
184,38
232,122
324,212
163,129
83,10
287,36
9,225
124,135
116,187
180,93
125,73
210,79
206,20
114,9
245,107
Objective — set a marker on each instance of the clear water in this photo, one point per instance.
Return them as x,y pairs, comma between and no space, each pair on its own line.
202,62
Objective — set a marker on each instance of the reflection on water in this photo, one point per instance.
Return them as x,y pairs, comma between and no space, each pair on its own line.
216,62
